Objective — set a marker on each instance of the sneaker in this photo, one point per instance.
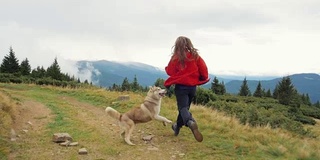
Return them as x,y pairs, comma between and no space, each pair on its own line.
194,128
175,129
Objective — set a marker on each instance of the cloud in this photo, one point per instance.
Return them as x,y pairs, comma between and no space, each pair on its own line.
85,73
238,37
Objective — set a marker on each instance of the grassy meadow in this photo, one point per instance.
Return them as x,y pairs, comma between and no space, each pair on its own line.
35,113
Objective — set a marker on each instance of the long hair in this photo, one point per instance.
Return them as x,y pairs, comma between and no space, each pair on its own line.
182,46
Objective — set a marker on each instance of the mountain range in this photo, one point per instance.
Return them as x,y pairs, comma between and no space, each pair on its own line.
106,73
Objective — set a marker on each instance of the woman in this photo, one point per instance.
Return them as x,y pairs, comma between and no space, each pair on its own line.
186,70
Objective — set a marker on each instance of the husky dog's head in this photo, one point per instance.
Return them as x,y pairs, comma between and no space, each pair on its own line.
157,92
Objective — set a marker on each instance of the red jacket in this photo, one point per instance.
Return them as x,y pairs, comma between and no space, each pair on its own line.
194,73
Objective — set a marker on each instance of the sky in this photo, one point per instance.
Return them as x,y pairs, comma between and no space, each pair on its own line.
234,37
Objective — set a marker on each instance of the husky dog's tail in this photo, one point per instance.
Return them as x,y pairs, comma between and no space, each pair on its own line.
113,113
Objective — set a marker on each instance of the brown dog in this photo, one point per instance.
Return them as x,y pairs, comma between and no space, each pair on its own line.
146,112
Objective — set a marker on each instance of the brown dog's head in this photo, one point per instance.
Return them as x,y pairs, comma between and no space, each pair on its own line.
156,92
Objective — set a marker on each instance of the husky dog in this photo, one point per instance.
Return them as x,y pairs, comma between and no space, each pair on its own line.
146,112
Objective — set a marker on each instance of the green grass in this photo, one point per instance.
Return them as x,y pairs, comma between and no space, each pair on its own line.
224,136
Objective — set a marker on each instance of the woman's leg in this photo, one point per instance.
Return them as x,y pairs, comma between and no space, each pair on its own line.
182,96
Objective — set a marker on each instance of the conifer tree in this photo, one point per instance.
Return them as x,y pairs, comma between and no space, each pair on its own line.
66,77
25,67
264,92
10,64
317,104
217,87
287,94
159,83
223,88
306,99
125,85
275,93
39,72
54,70
244,89
268,94
115,87
135,85
258,92
85,81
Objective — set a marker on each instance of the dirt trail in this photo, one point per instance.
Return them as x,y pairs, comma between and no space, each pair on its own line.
92,115
160,147
31,121
34,117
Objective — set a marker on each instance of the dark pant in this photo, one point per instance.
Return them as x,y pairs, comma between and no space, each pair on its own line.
184,96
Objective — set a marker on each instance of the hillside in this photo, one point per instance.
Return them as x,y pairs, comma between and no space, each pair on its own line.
41,111
304,83
106,73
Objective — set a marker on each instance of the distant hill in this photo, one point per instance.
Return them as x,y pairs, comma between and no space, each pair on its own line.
304,83
106,73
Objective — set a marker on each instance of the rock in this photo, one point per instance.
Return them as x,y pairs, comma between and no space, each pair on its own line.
124,98
61,137
74,144
13,135
115,103
66,143
147,138
83,151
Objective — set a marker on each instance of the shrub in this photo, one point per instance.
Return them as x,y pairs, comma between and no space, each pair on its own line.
203,96
304,119
259,112
310,111
232,99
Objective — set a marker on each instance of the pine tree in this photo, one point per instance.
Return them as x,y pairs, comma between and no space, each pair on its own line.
66,77
25,67
223,88
115,87
10,64
54,70
268,94
317,104
264,92
244,89
217,87
39,72
135,85
258,92
287,94
159,83
125,85
276,92
306,99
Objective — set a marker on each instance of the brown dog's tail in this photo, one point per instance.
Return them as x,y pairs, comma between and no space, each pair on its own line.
113,113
